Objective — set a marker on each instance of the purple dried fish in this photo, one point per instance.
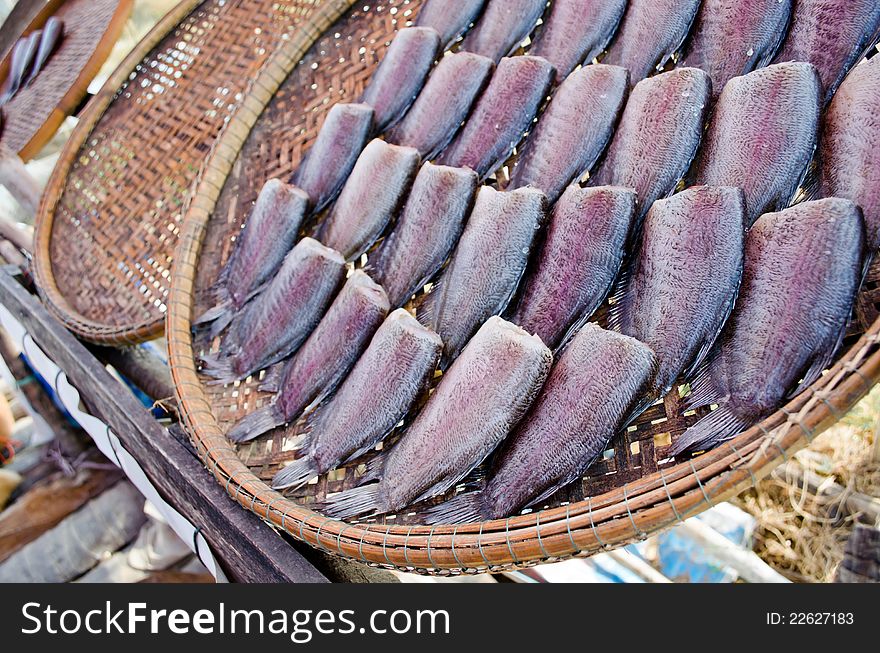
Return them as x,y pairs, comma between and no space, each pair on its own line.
576,265
281,317
683,280
267,237
503,114
832,35
482,396
325,357
52,33
451,18
444,103
504,25
849,152
594,390
434,216
658,136
392,373
573,131
762,135
802,269
399,77
373,193
22,57
328,163
735,37
577,31
650,33
486,267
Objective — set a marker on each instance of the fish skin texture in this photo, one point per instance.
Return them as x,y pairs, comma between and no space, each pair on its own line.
324,359
478,401
451,18
387,379
373,193
282,316
444,103
832,35
426,232
577,31
684,278
502,115
504,25
593,391
734,37
802,269
486,267
401,74
762,135
650,33
577,263
328,163
658,136
573,130
849,151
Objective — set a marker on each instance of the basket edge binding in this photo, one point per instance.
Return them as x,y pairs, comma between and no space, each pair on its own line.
625,514
89,118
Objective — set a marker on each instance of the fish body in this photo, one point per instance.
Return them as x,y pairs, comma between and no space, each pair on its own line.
802,269
658,136
281,317
23,55
832,35
478,401
53,30
684,278
444,103
267,237
399,77
762,135
373,193
451,18
651,32
503,113
328,163
594,390
504,25
573,131
387,379
432,221
576,265
486,267
577,31
325,357
735,37
849,153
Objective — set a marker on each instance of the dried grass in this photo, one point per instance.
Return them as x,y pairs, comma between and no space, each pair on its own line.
801,533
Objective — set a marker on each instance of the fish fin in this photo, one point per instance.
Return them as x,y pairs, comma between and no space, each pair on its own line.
255,424
353,503
431,307
821,361
373,471
272,380
296,474
463,509
617,296
716,427
703,389
445,484
219,368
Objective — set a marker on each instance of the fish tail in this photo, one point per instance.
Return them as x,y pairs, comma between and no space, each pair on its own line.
365,500
272,380
718,426
465,508
219,368
296,474
255,424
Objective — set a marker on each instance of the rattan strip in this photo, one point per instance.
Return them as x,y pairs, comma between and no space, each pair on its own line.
613,518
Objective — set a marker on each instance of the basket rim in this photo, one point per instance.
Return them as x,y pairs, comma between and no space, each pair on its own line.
44,276
616,517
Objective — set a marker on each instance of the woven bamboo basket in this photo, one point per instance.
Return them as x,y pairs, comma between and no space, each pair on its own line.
634,490
110,216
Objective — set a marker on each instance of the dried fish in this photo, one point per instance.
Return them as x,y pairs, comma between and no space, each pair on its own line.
52,32
20,63
504,25
451,18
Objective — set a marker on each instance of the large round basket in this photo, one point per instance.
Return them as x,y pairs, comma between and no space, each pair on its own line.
635,489
110,216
